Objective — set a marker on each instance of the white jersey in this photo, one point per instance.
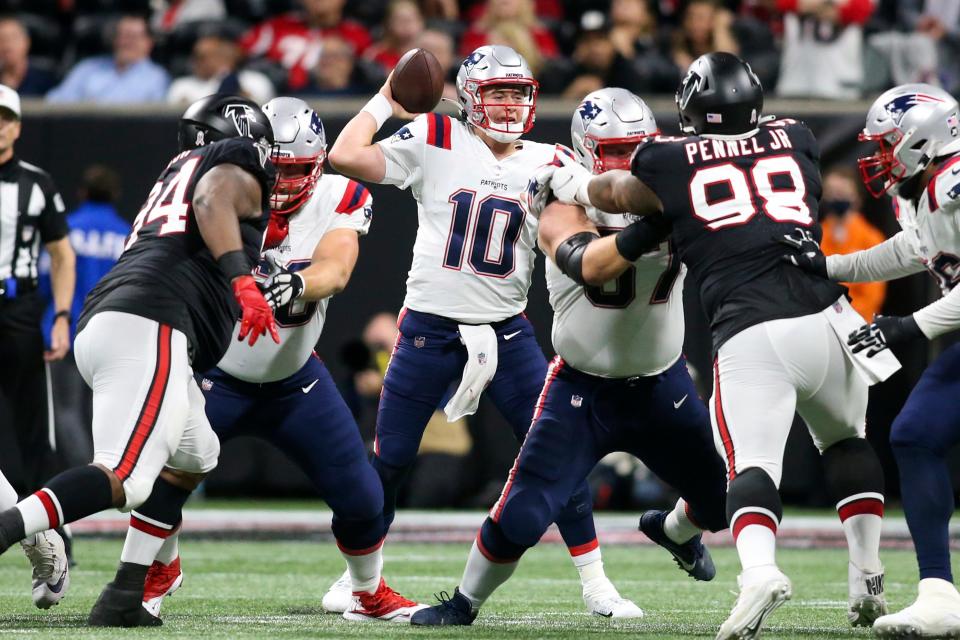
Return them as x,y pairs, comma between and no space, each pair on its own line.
632,326
473,257
337,203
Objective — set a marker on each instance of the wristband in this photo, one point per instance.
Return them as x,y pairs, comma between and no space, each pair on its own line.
380,108
63,313
583,193
234,264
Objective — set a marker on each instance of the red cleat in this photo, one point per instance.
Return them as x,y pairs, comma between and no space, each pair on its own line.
162,580
385,604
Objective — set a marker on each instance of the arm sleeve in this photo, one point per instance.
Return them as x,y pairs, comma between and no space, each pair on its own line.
53,219
941,316
404,153
891,259
354,208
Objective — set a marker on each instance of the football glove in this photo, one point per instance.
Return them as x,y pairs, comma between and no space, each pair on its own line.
281,288
256,316
807,254
569,182
538,194
884,332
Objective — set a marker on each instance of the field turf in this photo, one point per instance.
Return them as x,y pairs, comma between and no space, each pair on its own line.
236,589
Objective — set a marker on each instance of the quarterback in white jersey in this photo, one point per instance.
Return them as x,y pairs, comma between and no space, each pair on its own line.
611,386
472,263
917,128
286,395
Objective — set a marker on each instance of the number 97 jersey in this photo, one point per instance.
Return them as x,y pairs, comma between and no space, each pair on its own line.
729,198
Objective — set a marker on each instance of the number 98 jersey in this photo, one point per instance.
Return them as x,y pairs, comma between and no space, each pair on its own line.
473,257
729,198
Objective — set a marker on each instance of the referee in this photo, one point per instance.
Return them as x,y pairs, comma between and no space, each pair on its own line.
31,212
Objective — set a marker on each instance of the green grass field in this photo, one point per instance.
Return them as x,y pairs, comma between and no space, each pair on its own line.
273,589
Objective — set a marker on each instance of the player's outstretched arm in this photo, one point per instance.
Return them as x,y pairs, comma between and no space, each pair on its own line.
619,191
330,268
354,153
891,259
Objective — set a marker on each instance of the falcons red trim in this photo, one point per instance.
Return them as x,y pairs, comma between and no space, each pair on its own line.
864,506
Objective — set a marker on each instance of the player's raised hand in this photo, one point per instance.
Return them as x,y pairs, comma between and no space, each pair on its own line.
569,182
398,111
806,252
884,332
538,194
256,315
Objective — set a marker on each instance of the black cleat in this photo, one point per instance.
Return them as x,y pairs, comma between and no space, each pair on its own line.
451,611
121,608
691,556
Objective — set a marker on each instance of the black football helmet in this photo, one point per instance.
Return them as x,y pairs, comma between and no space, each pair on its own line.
719,95
219,117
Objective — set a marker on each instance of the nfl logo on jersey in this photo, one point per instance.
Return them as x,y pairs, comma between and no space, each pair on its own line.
482,358
576,401
419,341
206,384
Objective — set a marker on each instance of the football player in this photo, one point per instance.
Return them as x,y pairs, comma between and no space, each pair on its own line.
166,308
619,381
732,184
918,132
467,289
284,393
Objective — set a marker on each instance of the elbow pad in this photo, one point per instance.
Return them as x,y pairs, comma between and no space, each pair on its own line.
643,236
569,255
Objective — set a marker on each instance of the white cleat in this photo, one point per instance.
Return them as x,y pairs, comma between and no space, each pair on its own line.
51,571
758,598
934,614
603,599
339,597
866,600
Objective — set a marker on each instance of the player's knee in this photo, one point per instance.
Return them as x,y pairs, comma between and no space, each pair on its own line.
753,487
525,517
117,494
909,430
183,479
136,490
391,475
497,546
355,496
358,533
852,467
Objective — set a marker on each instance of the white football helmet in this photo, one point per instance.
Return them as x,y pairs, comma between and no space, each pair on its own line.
605,117
302,148
912,124
496,65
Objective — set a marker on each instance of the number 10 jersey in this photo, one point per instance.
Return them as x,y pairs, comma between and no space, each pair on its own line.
473,257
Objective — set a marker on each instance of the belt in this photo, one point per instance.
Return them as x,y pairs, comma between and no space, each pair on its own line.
12,287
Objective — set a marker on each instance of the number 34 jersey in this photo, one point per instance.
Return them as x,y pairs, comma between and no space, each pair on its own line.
729,199
473,257
631,326
337,203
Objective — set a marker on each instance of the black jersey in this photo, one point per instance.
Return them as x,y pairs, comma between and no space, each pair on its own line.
166,273
728,199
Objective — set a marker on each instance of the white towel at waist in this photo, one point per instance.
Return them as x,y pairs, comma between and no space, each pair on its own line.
481,343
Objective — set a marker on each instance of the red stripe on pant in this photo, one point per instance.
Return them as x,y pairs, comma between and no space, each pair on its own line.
361,552
52,516
750,518
150,410
587,547
489,556
555,366
722,423
864,506
151,529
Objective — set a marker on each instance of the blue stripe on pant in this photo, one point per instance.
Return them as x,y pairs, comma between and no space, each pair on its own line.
306,418
927,427
659,419
427,359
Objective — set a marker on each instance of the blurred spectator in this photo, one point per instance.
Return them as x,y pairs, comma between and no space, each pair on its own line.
441,10
339,73
822,48
845,230
939,22
595,64
633,31
440,44
15,69
127,76
214,64
170,14
402,25
512,23
295,40
551,10
706,27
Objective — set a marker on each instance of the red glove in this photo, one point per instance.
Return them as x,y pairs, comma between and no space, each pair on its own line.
256,316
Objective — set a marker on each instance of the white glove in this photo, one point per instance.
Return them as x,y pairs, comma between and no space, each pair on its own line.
283,288
538,194
569,182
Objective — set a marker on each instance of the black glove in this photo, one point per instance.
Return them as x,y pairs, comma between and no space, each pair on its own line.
884,332
281,288
806,254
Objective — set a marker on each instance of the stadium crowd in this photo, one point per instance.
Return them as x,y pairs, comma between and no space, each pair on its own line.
125,51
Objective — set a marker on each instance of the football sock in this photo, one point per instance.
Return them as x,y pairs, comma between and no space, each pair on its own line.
855,480
678,526
483,575
754,508
170,548
928,505
364,568
589,565
153,522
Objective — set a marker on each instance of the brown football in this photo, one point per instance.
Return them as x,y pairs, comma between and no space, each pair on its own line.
417,82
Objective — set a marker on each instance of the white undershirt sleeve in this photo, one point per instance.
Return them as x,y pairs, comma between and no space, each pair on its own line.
940,317
891,259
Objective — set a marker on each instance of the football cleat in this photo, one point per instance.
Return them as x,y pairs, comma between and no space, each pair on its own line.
384,604
162,581
121,608
755,602
51,569
866,601
691,556
603,599
339,597
451,611
934,614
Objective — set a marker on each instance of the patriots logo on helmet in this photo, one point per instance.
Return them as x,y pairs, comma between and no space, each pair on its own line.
403,133
588,111
473,59
240,115
316,125
897,107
